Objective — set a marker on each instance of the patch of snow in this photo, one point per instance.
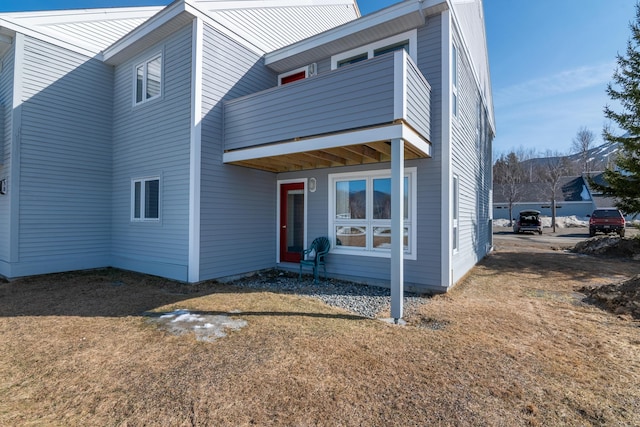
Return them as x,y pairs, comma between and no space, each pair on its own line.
188,317
206,327
561,222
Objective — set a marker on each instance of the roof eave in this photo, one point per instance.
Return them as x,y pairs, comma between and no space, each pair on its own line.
392,20
174,16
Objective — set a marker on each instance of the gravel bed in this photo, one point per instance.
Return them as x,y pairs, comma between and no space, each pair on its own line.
367,301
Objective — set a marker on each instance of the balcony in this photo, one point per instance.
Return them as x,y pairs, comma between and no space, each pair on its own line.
343,117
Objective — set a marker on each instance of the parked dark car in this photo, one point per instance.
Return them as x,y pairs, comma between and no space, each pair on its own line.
528,221
606,220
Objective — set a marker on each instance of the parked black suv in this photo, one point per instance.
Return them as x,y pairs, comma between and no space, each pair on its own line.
606,220
528,221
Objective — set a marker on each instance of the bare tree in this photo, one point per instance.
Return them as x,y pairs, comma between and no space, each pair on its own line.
581,144
529,171
555,167
507,171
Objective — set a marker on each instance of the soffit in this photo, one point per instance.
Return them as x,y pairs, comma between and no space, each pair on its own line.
359,154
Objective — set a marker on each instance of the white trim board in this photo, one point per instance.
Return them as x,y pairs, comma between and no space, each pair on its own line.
386,133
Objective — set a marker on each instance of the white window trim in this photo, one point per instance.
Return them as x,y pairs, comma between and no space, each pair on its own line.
144,64
143,217
455,215
411,173
292,72
412,36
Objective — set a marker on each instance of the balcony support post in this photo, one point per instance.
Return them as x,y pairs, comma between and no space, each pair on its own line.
397,228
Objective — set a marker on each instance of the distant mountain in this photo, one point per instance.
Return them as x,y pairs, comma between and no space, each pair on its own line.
599,158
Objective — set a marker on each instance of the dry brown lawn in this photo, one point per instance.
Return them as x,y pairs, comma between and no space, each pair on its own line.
513,344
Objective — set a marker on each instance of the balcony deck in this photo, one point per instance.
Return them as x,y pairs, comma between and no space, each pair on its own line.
343,117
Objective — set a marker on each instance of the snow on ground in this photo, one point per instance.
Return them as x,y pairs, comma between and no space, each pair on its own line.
206,327
561,222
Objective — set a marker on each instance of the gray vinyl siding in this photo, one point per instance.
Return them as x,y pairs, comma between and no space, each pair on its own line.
422,274
430,245
471,161
65,161
238,205
153,139
6,104
418,100
324,66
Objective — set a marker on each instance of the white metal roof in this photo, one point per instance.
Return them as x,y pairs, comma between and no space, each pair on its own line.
272,28
88,31
262,25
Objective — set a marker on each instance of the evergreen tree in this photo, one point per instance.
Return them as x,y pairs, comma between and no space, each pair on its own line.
623,182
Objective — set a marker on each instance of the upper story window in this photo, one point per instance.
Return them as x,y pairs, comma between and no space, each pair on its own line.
406,41
360,213
293,76
145,199
148,85
353,60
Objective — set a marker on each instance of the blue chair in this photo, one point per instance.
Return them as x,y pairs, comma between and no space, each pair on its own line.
314,257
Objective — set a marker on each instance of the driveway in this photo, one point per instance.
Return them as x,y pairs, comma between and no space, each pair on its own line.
561,239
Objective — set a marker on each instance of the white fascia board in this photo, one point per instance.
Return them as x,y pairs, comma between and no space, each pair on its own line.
64,42
312,144
392,12
155,22
385,133
414,138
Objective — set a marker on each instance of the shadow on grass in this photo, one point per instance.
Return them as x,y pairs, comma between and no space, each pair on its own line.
115,293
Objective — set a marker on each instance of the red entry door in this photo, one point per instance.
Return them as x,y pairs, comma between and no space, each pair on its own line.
291,221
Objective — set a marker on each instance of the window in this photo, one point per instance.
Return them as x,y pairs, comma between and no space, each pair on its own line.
294,75
145,199
360,213
148,80
406,41
454,80
455,212
353,59
398,46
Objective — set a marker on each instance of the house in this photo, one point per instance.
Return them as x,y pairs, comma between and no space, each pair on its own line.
575,197
210,139
572,198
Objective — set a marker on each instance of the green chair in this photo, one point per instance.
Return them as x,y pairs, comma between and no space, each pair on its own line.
314,257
